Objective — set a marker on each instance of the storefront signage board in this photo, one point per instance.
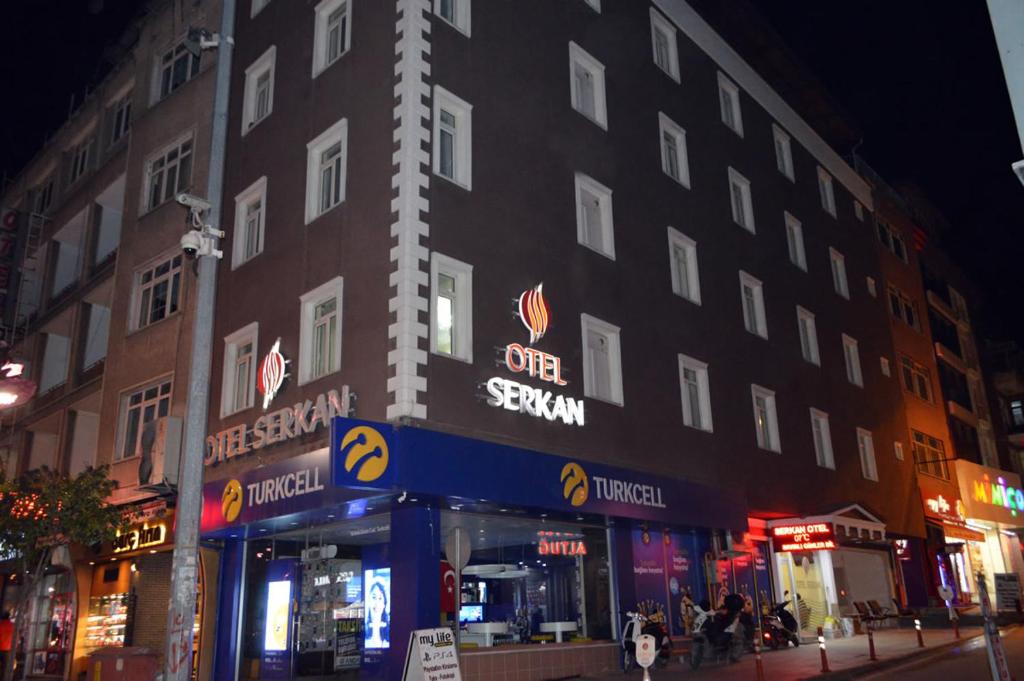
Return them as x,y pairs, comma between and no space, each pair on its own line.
432,656
144,536
383,457
991,494
941,500
804,537
1007,591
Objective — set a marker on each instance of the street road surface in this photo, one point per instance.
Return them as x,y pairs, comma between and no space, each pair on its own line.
969,661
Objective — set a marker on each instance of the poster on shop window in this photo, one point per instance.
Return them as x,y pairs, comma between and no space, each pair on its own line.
664,570
431,656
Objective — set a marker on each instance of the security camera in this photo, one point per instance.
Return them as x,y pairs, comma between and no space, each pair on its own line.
194,202
192,242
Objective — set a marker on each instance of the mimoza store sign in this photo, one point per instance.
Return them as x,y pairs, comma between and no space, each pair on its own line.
991,494
535,314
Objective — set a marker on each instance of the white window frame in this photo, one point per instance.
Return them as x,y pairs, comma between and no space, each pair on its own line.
659,24
729,96
138,288
324,141
232,343
679,241
897,450
872,286
195,65
767,439
124,405
824,454
604,198
760,317
827,192
462,329
322,13
308,302
579,56
668,128
120,117
746,220
460,20
807,327
839,281
795,241
611,333
257,7
866,454
265,64
851,360
858,210
885,366
462,137
703,394
240,242
161,155
80,157
783,152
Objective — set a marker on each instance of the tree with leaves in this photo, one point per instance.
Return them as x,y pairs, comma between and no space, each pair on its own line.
43,510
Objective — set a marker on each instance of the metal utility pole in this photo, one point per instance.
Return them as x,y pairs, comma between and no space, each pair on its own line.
185,567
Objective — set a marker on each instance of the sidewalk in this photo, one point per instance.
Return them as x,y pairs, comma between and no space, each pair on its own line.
847,655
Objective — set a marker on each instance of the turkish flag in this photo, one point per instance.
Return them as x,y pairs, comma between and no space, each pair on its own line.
448,588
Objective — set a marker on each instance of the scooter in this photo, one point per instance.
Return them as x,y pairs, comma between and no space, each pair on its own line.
780,628
637,625
716,638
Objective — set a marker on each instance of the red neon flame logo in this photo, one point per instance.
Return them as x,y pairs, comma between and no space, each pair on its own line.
534,312
271,374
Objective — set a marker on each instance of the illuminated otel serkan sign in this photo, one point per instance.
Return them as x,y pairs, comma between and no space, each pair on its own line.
535,314
278,425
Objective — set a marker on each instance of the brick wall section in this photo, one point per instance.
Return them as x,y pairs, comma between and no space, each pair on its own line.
152,584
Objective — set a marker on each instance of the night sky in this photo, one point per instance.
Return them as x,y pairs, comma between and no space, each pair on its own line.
919,82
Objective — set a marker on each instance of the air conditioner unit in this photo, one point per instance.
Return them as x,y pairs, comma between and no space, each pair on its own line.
160,452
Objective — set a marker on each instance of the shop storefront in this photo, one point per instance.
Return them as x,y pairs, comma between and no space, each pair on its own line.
826,564
993,506
333,557
953,545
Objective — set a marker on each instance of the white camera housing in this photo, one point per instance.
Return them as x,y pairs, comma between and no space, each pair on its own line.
195,243
194,202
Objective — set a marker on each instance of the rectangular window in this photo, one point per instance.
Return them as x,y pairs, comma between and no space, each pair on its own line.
839,282
930,455
916,378
742,204
177,66
872,290
54,369
320,333
451,319
1017,413
259,89
602,360
822,437
332,33
42,196
138,408
766,424
157,292
858,210
729,102
594,227
808,336
897,450
828,199
326,158
663,44
866,449
120,114
169,173
783,152
851,355
884,366
683,266
239,385
902,307
696,393
79,160
453,133
674,160
752,299
795,242
454,12
250,220
586,79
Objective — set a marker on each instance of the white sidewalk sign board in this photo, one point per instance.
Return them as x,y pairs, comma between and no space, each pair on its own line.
1007,591
996,654
432,656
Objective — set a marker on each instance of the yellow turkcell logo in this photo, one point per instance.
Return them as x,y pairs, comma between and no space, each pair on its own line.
231,501
575,484
367,453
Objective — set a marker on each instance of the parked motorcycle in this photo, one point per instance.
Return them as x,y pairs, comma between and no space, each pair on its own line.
637,625
718,633
780,628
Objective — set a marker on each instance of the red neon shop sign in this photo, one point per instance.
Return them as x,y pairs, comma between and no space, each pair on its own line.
805,537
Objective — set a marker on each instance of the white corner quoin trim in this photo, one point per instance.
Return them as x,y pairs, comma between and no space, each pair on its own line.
700,32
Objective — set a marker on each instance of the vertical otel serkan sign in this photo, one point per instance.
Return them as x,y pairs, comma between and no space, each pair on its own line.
535,314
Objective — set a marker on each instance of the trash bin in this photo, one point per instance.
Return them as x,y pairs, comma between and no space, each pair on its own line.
122,664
